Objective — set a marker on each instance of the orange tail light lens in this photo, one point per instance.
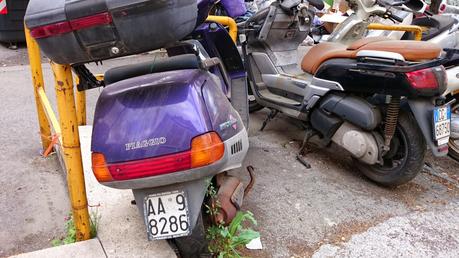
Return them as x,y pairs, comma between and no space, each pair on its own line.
206,149
100,169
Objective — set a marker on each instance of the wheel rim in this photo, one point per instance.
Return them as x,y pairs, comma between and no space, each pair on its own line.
397,157
454,143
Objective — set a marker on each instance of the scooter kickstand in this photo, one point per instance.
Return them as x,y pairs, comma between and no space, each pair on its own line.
299,156
270,117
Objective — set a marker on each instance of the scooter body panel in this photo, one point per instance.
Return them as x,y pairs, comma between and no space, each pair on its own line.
150,115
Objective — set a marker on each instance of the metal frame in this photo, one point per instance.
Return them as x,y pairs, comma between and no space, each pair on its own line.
62,134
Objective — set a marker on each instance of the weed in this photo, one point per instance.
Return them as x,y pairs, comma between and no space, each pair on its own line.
70,235
226,240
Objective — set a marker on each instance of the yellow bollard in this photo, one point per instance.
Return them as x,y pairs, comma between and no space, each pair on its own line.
38,82
81,107
71,148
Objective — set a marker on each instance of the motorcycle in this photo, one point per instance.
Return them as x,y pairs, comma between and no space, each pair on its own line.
167,128
379,99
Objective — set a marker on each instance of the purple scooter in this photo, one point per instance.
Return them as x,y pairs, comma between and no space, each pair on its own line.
167,129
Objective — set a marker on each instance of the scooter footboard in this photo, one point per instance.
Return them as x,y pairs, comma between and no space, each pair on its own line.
171,211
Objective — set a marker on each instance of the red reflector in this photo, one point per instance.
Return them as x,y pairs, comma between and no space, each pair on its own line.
69,26
51,30
442,8
91,21
423,79
151,167
3,7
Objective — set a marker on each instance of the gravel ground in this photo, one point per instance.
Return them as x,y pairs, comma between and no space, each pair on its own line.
328,210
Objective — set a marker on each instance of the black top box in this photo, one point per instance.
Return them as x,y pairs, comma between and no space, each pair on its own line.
81,31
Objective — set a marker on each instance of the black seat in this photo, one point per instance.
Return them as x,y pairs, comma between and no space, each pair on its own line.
187,61
436,24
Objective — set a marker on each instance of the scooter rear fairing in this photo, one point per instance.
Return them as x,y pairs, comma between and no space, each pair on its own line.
159,114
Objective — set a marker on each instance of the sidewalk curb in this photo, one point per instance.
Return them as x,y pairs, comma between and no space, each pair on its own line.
90,249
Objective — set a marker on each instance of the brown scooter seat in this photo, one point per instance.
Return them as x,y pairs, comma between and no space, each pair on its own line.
411,50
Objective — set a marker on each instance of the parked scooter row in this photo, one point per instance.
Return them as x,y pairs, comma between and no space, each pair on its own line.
169,128
379,99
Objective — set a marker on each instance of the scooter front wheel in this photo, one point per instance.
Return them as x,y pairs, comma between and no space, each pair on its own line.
405,158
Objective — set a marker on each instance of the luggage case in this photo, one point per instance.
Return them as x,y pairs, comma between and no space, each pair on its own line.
80,31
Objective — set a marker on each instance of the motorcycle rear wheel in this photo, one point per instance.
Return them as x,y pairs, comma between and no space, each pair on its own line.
453,145
405,159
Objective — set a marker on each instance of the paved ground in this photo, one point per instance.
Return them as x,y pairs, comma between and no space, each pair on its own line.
329,210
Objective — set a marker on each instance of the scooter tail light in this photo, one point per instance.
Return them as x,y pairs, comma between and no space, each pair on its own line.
100,168
69,26
424,79
206,149
151,167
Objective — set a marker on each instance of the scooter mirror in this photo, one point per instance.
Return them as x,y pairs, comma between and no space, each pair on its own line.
418,6
392,2
319,4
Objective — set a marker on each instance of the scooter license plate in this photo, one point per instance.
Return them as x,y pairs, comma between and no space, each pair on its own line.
442,124
166,215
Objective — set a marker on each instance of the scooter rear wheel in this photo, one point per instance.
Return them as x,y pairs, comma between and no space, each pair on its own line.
194,245
405,159
453,145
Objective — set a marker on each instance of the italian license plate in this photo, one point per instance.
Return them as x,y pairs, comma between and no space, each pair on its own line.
442,123
166,215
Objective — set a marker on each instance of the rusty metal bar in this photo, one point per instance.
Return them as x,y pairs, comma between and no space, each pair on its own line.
226,21
409,28
71,148
38,83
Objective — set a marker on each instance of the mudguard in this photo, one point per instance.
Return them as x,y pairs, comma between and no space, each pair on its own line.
422,110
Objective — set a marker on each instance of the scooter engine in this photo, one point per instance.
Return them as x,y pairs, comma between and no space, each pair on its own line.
362,145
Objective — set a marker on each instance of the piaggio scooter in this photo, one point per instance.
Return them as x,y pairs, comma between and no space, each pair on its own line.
166,128
377,98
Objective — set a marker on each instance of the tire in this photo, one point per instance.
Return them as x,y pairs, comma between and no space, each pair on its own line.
406,158
194,245
453,145
253,104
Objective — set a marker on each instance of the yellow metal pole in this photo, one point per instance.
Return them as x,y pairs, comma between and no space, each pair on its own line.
71,148
81,107
38,83
226,21
410,28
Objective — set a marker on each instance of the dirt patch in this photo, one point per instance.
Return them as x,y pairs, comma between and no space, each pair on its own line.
338,235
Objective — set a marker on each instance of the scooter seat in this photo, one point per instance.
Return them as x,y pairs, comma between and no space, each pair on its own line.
187,61
409,49
436,25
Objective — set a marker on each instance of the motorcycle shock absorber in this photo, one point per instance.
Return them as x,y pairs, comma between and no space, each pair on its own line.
391,121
